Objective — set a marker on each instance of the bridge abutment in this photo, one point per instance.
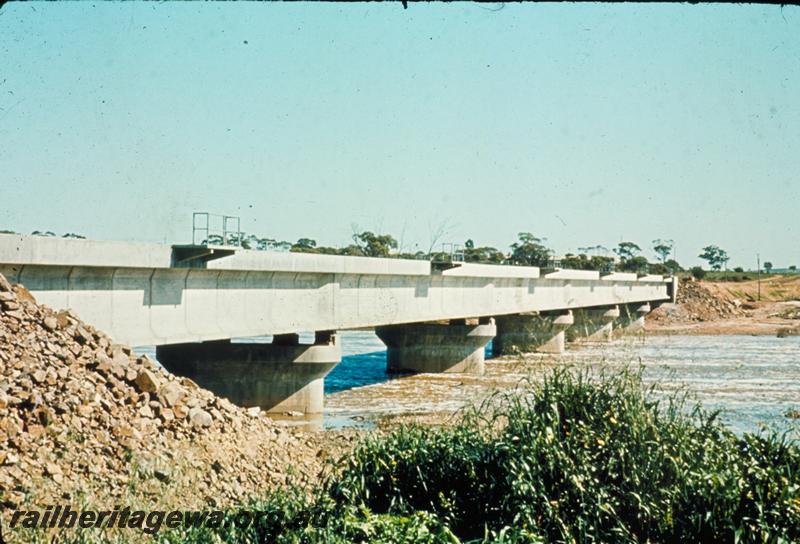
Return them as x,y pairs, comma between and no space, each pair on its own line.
431,347
284,376
524,333
593,325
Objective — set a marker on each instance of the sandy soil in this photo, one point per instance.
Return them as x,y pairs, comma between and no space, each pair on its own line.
762,320
732,308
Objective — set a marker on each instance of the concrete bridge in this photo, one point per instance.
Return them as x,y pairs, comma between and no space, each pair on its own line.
191,300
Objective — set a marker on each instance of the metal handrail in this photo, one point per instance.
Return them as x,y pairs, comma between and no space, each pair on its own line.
454,251
229,232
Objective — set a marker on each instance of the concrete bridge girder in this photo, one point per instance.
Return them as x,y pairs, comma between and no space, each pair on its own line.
135,293
161,306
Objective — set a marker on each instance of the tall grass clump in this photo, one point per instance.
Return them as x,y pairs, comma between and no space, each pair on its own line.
574,458
586,459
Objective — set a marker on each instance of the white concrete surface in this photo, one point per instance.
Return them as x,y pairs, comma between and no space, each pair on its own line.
130,291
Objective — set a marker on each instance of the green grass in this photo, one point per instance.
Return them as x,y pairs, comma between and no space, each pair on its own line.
576,458
735,276
731,276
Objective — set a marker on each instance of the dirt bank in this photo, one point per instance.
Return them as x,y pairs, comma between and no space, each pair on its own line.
731,308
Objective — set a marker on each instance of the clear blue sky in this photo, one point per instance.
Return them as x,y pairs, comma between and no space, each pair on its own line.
585,124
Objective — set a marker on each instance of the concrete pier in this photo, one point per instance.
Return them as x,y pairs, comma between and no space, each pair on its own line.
279,377
432,347
524,333
593,325
631,319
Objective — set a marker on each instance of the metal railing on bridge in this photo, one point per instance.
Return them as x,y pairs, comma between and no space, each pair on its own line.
210,229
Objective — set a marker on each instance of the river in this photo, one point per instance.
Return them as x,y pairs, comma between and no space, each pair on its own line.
754,381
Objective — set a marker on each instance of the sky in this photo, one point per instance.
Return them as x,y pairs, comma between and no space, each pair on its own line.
584,124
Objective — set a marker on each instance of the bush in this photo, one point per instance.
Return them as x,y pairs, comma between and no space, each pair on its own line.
573,459
576,458
738,269
698,273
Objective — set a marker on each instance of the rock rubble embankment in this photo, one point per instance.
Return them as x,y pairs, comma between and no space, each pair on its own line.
696,303
85,418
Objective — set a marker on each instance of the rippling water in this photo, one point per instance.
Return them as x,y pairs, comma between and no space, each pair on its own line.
753,380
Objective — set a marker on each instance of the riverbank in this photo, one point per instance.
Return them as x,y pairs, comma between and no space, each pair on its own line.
731,308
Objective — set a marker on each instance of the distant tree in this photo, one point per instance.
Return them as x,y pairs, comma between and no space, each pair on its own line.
375,245
417,255
627,250
271,244
352,250
327,250
793,268
698,273
738,269
469,244
43,233
306,242
5,231
673,266
73,235
768,266
576,262
483,254
530,250
716,257
304,245
234,239
658,268
634,264
437,233
601,263
597,250
663,248
249,241
584,262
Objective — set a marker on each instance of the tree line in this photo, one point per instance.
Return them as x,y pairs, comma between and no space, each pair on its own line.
527,250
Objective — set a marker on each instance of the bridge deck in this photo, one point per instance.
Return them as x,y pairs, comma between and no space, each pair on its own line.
136,293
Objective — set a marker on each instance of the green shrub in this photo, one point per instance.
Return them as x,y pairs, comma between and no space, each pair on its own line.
585,459
698,273
574,458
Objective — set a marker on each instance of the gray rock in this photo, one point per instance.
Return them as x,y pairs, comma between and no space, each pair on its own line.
200,418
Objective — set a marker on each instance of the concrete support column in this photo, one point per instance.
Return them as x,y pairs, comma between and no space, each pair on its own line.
593,325
523,333
284,376
430,347
631,319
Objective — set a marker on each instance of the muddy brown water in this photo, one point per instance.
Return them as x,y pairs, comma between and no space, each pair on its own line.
753,380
